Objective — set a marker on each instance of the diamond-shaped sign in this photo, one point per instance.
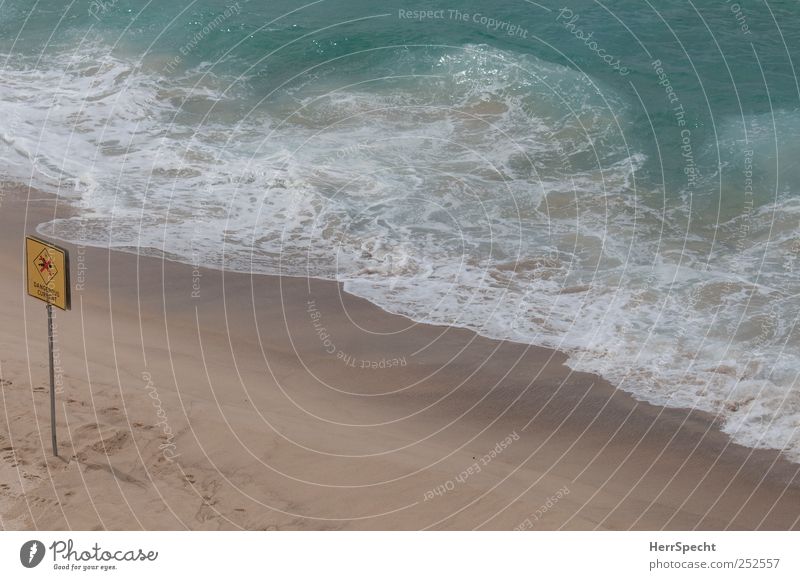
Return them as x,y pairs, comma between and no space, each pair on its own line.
45,265
47,272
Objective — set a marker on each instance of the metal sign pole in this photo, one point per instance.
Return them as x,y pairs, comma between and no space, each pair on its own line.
52,379
47,273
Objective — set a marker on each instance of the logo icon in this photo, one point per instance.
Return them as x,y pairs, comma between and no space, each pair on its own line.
31,553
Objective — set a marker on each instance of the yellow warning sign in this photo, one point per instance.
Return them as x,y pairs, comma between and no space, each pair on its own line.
47,268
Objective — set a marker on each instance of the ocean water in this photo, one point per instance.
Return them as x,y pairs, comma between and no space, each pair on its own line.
619,182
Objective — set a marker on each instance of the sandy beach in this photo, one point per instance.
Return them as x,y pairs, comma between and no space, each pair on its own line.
190,398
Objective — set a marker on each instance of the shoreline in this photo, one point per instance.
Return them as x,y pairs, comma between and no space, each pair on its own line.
267,429
197,274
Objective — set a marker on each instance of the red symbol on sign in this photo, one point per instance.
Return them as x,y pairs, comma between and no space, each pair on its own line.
44,263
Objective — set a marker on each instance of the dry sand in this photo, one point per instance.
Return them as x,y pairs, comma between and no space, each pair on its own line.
211,402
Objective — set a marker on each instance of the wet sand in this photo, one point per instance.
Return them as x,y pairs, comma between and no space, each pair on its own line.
190,398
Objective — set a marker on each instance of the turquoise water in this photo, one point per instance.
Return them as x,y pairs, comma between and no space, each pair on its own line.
616,181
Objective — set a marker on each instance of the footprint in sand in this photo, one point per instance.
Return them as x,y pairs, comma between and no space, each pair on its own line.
8,456
111,443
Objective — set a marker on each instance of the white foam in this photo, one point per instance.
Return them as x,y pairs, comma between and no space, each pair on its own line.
496,193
